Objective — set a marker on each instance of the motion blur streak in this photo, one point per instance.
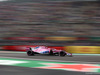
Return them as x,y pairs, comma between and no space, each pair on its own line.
69,25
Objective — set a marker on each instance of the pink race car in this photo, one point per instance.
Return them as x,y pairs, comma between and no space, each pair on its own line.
31,51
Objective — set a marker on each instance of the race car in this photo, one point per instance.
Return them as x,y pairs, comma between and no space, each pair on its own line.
31,51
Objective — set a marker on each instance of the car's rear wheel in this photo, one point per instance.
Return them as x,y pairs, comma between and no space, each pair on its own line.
30,53
51,52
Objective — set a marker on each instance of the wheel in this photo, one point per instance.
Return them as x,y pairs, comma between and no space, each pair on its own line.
30,53
51,52
62,53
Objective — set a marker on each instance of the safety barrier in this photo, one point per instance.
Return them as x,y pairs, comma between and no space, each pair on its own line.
83,49
70,49
23,47
17,48
61,38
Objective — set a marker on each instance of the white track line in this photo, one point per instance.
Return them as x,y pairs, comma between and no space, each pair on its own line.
52,60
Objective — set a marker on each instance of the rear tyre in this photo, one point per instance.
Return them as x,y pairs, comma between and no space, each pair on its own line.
51,52
62,53
30,53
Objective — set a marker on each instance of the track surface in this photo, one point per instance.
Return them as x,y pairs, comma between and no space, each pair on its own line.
9,70
79,58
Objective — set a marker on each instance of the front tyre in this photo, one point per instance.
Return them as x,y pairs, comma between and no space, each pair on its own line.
62,53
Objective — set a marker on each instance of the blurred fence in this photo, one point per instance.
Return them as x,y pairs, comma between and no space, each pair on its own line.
54,38
70,49
83,49
23,47
51,18
66,25
51,41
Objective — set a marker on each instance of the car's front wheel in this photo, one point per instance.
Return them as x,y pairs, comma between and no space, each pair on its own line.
62,53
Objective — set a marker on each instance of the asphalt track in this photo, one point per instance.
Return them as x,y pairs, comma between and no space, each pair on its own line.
13,70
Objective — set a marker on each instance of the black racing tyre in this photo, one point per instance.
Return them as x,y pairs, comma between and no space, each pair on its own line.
51,52
62,53
30,53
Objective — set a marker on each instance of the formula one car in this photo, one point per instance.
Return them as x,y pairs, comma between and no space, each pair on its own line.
31,51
